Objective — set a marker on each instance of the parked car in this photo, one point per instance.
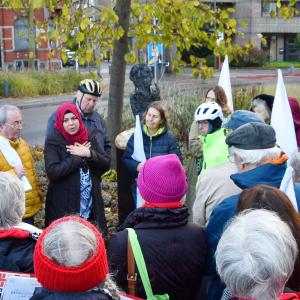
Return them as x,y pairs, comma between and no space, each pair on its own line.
71,59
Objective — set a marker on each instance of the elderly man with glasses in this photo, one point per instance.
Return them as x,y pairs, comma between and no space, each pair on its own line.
16,158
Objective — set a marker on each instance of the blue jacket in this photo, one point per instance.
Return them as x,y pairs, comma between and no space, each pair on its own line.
93,120
269,174
164,143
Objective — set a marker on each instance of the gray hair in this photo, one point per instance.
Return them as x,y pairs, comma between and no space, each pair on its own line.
256,255
70,244
295,164
109,284
255,156
12,200
3,112
261,103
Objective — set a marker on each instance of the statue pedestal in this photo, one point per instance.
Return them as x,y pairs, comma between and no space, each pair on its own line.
125,199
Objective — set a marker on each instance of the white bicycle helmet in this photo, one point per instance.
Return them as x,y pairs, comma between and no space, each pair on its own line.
208,111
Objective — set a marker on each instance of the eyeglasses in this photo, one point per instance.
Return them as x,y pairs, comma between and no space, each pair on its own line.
17,125
202,123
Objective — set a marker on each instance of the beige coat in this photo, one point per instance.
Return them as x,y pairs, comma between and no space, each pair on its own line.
195,149
214,186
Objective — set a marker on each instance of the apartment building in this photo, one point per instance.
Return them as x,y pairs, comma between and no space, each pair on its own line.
280,34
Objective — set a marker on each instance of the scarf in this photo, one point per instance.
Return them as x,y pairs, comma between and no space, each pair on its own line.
82,135
295,108
13,159
163,205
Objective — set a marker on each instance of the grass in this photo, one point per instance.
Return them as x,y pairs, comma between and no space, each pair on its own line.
38,83
281,64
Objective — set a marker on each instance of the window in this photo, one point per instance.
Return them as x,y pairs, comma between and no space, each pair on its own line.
267,7
21,34
51,27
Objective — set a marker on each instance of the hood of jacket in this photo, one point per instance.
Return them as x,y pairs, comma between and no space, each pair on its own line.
148,217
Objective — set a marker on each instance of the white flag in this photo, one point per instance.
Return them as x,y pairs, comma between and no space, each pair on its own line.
225,82
138,152
287,186
282,120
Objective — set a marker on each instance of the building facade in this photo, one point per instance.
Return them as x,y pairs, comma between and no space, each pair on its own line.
283,36
14,43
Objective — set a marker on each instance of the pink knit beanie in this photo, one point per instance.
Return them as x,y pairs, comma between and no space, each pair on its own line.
162,179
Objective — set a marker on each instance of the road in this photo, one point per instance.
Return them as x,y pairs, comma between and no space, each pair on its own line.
36,111
35,119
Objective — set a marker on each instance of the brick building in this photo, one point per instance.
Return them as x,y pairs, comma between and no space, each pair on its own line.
14,44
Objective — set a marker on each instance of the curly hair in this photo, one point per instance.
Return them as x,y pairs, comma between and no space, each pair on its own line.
221,98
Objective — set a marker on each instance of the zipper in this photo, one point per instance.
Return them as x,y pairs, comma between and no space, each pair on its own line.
150,154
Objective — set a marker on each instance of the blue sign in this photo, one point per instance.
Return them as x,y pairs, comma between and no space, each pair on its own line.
155,50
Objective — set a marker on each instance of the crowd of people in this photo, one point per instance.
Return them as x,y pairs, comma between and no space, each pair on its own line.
221,230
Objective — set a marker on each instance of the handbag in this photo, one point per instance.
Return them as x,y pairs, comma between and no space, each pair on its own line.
135,248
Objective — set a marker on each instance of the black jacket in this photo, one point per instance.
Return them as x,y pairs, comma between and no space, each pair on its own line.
16,250
62,168
174,252
42,293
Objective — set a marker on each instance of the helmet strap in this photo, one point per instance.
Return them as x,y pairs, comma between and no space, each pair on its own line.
210,127
79,104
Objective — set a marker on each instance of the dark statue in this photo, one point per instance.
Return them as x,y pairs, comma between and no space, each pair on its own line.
142,77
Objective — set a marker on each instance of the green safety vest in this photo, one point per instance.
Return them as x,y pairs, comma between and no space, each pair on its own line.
215,150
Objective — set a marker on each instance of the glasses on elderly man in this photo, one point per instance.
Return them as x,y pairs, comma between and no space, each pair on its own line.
16,125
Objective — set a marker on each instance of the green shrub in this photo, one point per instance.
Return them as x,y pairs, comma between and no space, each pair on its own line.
181,110
20,84
243,96
70,81
35,83
254,57
281,64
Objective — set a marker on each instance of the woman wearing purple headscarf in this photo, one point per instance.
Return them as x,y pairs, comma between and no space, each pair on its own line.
295,108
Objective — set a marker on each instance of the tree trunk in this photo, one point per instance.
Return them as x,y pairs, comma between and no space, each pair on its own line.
117,76
31,36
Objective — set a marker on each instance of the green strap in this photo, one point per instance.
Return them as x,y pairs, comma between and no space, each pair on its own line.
140,262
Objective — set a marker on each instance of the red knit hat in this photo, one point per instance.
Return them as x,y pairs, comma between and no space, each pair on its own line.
162,179
70,279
